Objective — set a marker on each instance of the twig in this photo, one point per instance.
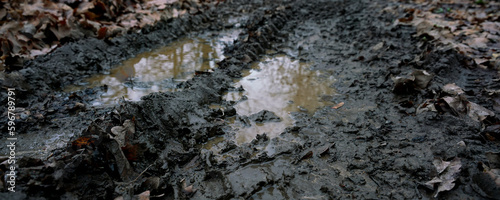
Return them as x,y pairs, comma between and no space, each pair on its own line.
142,173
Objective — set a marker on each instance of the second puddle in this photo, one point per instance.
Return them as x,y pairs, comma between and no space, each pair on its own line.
281,85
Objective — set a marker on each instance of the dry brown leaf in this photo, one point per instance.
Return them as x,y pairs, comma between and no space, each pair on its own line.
479,42
84,7
481,16
36,52
338,105
481,60
477,112
492,27
428,105
101,33
144,195
3,13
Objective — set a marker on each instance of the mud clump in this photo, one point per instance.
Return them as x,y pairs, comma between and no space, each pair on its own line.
264,116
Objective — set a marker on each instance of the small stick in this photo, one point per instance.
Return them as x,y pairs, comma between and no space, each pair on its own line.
142,173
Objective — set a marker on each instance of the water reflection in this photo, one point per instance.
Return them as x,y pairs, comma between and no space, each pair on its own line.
281,85
161,69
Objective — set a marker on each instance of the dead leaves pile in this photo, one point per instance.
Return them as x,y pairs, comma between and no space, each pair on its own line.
452,98
471,27
456,103
36,27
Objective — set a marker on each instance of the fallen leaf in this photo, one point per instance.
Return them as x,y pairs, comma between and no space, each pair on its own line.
487,181
452,89
144,195
492,27
124,133
188,189
428,105
493,159
101,33
378,46
440,164
457,104
422,78
480,61
406,19
36,52
338,105
477,42
447,174
477,112
82,142
84,7
403,85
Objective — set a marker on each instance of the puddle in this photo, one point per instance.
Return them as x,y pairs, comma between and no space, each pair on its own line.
281,85
161,69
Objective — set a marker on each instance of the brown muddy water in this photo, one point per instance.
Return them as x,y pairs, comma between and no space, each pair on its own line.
281,85
275,83
160,69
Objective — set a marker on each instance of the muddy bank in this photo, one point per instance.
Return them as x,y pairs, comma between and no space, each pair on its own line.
371,145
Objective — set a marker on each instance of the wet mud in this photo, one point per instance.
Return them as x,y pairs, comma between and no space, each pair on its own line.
352,129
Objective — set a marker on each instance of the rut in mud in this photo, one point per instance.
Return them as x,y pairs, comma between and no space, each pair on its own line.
368,139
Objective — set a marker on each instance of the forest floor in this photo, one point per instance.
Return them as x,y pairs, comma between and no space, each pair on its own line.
413,116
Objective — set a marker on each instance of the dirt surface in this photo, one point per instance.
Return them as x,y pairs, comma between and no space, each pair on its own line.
376,142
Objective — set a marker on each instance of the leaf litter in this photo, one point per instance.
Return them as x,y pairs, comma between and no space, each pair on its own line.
472,29
36,27
456,104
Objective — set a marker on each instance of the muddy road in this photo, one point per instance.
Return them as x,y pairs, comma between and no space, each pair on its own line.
312,100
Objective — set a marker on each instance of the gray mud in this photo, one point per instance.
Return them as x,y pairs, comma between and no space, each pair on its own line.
374,146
